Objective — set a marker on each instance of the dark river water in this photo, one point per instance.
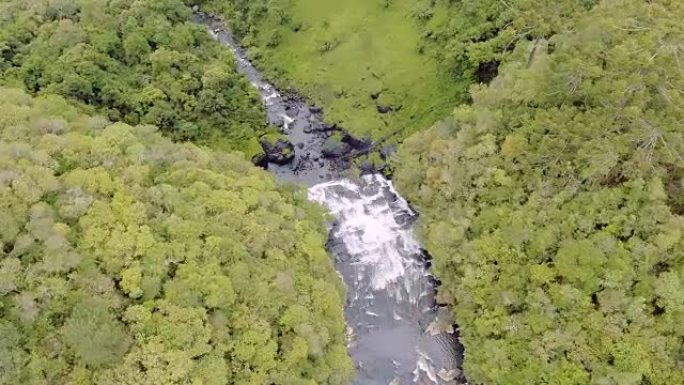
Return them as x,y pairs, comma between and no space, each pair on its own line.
397,333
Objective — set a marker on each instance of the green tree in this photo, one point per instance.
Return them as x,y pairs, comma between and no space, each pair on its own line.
134,61
95,336
549,203
128,259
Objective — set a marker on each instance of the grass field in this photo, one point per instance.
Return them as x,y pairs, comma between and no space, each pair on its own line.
343,53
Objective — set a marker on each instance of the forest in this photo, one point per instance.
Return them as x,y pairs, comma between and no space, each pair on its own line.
128,259
553,204
138,62
541,142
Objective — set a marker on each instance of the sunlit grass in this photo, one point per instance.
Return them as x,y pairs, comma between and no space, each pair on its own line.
345,51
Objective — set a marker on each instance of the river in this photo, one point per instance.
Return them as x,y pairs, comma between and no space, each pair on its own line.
397,332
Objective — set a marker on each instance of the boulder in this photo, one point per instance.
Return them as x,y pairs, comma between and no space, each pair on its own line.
385,109
278,150
334,148
292,109
315,109
360,145
260,160
367,168
315,127
327,127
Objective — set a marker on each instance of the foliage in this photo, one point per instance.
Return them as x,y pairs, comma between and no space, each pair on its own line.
127,259
471,38
134,61
382,67
357,58
552,204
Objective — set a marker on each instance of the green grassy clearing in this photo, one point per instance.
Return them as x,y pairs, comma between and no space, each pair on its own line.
340,53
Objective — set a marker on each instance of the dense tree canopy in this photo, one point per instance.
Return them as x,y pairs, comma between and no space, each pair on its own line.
471,38
553,204
127,259
135,61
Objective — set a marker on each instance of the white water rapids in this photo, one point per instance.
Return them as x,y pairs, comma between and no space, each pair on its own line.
369,230
397,338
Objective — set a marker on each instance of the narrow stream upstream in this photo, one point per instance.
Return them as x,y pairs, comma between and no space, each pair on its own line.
399,335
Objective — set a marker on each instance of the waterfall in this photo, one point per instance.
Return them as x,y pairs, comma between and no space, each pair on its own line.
390,307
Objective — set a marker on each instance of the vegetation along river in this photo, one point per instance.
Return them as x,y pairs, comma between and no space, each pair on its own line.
398,334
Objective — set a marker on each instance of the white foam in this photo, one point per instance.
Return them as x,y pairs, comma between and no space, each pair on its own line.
368,228
287,120
423,365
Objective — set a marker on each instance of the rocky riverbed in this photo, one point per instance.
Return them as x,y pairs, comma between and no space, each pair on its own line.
310,150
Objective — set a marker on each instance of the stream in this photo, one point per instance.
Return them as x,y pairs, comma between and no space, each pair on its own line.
398,334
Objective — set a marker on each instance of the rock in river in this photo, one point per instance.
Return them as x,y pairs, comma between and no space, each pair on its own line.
278,149
360,145
367,168
260,160
335,148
